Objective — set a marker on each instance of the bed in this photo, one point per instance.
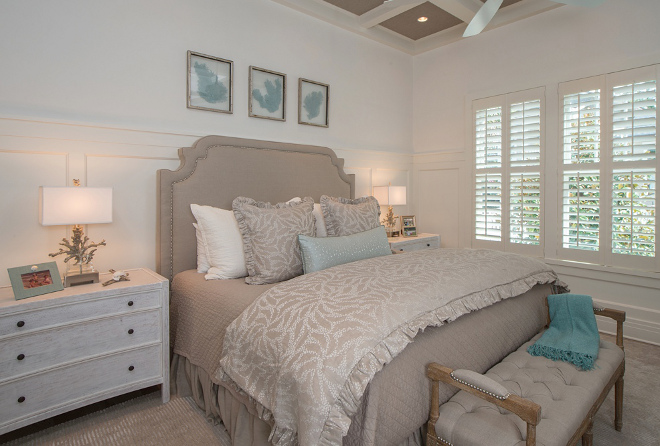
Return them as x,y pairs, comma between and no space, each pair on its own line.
389,406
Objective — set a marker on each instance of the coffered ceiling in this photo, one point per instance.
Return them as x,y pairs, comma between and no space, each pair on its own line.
395,22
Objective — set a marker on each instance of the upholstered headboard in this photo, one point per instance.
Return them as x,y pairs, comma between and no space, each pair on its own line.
218,169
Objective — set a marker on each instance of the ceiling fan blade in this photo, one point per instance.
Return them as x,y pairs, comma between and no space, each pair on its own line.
585,3
482,17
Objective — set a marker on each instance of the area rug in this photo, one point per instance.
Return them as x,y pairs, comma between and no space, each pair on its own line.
145,421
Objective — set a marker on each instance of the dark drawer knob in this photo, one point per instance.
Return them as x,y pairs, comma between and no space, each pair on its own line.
21,399
20,357
130,331
428,244
20,323
131,368
130,303
400,249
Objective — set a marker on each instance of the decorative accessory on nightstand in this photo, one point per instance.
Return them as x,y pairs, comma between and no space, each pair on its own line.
117,276
33,280
390,196
408,226
76,206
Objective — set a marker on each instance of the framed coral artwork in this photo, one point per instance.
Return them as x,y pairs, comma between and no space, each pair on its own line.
313,103
210,83
267,94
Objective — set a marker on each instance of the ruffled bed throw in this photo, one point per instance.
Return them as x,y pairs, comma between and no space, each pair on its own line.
572,335
305,350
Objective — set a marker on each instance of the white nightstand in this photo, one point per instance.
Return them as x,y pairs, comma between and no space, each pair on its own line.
74,347
406,244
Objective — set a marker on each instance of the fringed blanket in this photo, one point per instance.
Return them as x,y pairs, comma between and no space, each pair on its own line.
305,350
573,333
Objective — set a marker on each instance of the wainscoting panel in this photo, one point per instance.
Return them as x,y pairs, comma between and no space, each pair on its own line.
439,209
22,238
131,236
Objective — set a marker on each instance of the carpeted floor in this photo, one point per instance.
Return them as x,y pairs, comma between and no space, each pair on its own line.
143,420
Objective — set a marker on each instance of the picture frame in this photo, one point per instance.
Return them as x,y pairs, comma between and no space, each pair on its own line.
266,94
210,83
34,280
408,226
313,103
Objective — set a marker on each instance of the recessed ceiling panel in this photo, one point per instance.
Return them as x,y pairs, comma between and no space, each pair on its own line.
357,7
407,25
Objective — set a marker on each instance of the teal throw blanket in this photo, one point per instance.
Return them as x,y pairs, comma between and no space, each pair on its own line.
573,334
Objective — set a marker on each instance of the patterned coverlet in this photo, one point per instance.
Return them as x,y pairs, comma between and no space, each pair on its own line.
305,350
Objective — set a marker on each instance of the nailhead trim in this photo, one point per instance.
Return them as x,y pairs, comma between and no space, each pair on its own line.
478,388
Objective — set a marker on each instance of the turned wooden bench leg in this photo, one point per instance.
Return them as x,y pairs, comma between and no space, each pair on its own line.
618,404
588,437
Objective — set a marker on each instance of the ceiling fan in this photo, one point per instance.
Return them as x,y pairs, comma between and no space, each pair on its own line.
488,10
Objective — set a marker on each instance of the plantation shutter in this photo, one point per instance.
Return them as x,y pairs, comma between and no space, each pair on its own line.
634,138
580,169
488,180
525,173
508,179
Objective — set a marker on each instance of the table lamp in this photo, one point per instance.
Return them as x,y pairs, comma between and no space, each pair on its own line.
76,206
390,196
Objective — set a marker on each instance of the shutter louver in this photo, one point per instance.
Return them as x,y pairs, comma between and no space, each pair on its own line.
633,212
488,191
525,134
488,138
581,210
634,122
582,127
525,208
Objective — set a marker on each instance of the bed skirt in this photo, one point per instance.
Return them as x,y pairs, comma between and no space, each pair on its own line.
222,405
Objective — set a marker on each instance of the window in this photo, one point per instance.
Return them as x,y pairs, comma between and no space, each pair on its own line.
608,169
508,171
602,165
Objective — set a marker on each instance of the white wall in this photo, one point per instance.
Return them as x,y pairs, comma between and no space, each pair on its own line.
97,91
560,45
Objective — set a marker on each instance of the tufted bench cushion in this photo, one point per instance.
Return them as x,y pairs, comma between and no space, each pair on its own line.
566,395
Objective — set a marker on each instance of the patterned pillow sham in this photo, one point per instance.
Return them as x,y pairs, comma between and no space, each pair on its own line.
270,237
324,252
345,216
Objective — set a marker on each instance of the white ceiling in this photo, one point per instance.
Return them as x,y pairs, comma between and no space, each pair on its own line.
369,23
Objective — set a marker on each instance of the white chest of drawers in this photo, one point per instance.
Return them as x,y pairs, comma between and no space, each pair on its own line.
407,244
84,344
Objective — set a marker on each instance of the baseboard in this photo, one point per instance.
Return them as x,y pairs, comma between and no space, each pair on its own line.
635,329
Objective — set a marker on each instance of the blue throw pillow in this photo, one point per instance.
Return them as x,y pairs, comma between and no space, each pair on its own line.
323,252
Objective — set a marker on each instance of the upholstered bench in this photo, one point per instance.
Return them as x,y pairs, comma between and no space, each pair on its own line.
527,400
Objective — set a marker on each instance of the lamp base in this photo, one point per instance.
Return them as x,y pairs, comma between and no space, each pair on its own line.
80,275
80,279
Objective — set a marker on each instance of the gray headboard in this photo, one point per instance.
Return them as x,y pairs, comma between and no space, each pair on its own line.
217,169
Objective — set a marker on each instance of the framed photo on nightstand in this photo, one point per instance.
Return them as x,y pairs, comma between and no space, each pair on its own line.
33,280
408,226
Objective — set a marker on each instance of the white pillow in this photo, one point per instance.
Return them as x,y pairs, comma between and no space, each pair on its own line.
319,223
224,243
202,261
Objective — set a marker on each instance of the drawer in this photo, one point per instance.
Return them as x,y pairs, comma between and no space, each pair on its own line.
416,245
40,350
23,322
76,383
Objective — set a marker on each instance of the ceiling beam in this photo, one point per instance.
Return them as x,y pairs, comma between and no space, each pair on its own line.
463,9
336,16
386,11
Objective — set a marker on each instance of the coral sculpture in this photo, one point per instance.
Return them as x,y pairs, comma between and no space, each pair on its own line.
78,248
